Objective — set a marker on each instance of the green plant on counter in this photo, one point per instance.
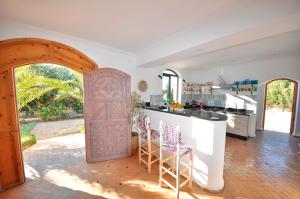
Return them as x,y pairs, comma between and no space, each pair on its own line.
136,105
168,96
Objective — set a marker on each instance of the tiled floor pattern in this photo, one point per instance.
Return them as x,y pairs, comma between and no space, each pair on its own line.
267,166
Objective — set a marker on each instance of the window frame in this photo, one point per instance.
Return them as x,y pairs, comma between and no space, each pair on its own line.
169,81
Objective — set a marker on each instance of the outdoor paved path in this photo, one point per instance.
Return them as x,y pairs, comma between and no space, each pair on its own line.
44,130
278,120
55,153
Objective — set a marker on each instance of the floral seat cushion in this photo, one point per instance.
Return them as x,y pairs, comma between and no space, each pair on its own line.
172,149
154,136
171,137
144,125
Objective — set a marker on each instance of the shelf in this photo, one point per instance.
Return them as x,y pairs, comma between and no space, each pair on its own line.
221,91
198,92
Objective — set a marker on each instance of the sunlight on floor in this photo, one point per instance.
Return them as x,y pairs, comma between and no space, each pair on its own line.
30,172
64,179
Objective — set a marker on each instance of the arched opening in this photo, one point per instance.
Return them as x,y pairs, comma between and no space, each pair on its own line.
19,52
280,105
15,53
107,90
50,113
170,86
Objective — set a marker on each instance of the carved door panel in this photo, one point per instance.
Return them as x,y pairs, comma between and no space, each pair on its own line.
11,163
107,98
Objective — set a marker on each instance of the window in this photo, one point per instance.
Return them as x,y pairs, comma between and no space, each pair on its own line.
170,86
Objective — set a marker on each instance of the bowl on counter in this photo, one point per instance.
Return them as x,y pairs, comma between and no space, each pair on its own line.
178,109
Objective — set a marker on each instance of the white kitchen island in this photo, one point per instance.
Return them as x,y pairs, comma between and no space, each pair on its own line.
206,133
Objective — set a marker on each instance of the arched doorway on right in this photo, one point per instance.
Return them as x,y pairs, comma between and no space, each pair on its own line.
280,105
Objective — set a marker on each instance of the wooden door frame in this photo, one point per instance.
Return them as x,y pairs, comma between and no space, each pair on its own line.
23,51
295,95
15,129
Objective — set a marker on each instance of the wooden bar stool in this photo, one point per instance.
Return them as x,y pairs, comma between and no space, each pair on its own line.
148,141
171,143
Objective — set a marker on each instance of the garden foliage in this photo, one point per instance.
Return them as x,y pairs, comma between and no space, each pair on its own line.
49,90
280,94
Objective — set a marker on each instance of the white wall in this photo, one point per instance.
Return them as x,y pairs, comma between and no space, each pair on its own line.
104,56
263,70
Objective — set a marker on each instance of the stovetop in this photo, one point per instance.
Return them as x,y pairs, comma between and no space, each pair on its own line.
222,110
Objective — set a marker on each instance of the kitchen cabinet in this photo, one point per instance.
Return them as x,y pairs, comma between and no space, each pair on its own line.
241,125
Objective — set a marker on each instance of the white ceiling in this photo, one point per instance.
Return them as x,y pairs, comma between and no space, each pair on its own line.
133,25
277,46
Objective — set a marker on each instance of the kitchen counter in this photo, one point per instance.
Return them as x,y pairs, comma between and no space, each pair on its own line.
241,123
229,110
224,110
201,114
205,132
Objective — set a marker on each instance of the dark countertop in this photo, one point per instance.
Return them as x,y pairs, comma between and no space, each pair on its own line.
223,110
229,110
201,114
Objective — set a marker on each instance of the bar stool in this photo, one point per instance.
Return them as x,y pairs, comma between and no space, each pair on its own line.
171,143
148,141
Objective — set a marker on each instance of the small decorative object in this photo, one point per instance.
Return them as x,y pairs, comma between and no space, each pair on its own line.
143,86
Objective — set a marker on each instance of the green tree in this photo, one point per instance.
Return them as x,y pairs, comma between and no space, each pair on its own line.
280,94
45,85
167,94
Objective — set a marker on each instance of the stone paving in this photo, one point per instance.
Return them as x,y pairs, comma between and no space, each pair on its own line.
54,153
45,130
278,120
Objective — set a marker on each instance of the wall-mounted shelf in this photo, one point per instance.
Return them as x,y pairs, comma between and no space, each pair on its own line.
240,89
209,89
197,92
220,91
225,91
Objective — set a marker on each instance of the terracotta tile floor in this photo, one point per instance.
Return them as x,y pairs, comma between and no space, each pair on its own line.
267,166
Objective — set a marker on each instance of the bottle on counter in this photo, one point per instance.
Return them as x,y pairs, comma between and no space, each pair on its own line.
201,105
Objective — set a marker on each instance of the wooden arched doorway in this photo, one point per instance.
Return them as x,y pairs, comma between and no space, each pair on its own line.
293,105
14,53
19,52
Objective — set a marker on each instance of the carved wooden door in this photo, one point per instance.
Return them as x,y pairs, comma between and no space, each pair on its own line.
107,114
11,163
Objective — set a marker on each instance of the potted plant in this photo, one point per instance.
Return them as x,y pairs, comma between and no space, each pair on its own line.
136,105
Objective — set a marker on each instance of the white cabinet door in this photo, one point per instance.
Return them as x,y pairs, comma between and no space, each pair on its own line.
237,124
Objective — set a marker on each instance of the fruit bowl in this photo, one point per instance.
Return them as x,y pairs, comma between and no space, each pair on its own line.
176,106
178,109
